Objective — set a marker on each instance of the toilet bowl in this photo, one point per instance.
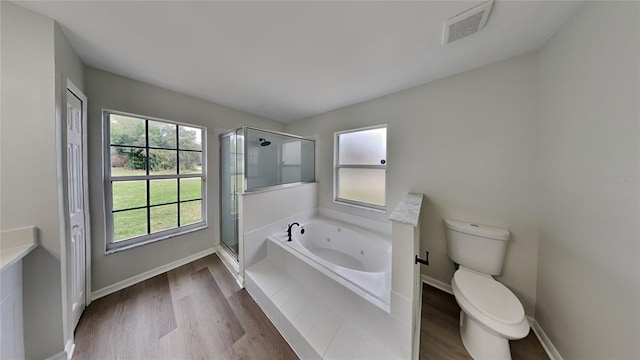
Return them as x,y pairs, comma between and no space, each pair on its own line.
491,315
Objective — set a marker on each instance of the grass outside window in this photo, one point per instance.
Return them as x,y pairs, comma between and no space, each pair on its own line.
156,178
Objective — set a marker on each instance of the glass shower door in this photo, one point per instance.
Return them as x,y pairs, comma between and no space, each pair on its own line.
228,193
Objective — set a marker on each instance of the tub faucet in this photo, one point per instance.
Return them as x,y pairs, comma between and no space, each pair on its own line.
289,230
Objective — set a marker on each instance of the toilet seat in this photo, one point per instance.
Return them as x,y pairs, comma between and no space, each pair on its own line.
489,296
489,302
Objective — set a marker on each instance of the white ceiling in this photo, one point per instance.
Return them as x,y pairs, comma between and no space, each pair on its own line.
291,60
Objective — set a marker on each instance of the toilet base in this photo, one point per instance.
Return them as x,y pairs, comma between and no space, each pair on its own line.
480,343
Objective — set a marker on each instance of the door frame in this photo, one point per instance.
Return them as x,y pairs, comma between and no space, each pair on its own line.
220,194
65,258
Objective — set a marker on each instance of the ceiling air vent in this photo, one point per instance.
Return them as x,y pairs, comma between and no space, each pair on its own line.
466,23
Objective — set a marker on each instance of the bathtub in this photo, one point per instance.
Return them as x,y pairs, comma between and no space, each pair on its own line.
359,256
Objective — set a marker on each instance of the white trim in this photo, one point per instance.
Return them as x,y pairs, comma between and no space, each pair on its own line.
230,263
436,284
85,174
336,166
149,274
548,346
69,348
59,356
155,237
66,86
111,246
62,208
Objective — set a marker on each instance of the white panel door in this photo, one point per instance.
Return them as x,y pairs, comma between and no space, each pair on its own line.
76,202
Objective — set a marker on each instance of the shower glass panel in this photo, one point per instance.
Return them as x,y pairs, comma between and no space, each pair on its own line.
252,159
228,192
278,159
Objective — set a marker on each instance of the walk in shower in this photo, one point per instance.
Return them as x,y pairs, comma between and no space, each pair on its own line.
254,159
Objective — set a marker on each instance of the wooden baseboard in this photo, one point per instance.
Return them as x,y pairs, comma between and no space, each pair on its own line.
149,274
548,346
436,284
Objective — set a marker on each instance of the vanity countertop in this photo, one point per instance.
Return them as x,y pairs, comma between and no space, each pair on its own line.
16,244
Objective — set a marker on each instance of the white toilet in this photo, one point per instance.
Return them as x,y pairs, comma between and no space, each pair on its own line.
491,314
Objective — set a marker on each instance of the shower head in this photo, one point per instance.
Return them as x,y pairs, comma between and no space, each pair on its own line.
264,142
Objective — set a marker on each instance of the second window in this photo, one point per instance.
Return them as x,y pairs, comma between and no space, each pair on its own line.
361,166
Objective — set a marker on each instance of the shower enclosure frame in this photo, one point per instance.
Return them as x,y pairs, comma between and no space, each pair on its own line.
245,149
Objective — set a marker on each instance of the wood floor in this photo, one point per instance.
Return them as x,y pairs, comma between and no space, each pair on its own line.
440,332
197,311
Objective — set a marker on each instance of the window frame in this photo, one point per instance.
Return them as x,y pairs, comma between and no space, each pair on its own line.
112,246
337,167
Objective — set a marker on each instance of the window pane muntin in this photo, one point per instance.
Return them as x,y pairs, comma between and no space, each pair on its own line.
363,147
128,194
190,212
162,135
127,130
141,174
358,189
190,162
190,138
129,224
128,161
362,185
163,217
163,162
163,191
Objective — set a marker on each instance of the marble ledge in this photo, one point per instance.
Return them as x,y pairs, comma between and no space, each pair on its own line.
408,211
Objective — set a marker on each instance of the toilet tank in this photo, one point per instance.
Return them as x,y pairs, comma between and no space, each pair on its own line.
477,247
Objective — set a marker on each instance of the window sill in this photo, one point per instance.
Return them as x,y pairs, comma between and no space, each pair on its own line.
116,249
275,187
360,206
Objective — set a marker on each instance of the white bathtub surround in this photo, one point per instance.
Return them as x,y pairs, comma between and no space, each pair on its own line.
353,256
255,241
334,309
380,227
406,285
319,316
326,311
263,213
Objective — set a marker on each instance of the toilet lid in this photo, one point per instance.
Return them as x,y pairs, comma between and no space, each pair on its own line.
489,296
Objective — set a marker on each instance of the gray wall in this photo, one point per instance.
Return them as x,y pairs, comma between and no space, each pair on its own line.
29,180
68,64
109,91
469,143
589,254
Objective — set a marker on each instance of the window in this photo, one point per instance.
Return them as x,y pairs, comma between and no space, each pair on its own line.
154,179
360,167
